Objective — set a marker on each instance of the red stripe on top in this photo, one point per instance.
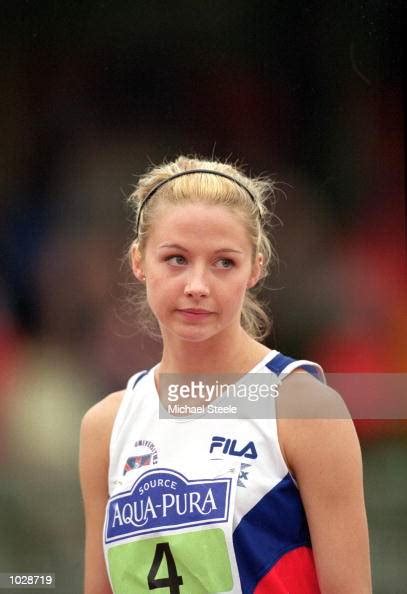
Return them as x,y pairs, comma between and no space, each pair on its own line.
294,573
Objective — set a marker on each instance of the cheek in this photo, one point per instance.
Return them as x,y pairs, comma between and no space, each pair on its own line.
161,294
234,295
154,294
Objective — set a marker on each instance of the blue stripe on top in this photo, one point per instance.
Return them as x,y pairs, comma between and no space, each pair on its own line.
280,362
274,526
142,374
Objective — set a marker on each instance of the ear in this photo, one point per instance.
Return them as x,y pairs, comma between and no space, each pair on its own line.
137,263
257,270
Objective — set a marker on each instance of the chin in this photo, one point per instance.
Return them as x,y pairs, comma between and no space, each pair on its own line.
194,336
191,333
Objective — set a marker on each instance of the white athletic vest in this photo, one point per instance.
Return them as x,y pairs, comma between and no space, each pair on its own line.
203,505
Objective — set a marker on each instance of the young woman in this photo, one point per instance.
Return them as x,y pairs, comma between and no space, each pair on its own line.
194,503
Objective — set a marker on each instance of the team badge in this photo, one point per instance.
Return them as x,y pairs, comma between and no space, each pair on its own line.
145,454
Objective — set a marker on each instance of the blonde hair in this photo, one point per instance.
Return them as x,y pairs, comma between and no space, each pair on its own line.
212,189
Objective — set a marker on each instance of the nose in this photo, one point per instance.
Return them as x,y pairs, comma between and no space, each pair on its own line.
196,284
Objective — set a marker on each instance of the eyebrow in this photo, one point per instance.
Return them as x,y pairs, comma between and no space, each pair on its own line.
179,247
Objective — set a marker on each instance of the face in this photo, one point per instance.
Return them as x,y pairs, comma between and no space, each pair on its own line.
197,264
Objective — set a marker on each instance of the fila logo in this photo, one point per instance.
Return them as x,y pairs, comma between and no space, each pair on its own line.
229,447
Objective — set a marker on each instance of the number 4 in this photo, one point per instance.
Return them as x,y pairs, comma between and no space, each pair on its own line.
173,581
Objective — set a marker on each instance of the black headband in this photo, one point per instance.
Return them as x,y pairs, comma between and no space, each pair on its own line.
188,172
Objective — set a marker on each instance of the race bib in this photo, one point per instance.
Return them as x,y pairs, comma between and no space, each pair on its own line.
172,532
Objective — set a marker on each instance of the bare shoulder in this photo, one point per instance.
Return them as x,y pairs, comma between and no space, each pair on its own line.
96,429
100,417
302,396
312,418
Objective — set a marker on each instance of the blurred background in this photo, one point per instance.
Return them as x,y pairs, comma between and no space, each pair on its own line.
92,93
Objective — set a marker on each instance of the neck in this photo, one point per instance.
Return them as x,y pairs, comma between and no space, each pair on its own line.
233,352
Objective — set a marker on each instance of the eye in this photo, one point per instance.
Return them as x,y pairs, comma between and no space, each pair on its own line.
175,260
225,263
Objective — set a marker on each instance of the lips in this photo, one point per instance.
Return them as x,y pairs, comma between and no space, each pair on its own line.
194,313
